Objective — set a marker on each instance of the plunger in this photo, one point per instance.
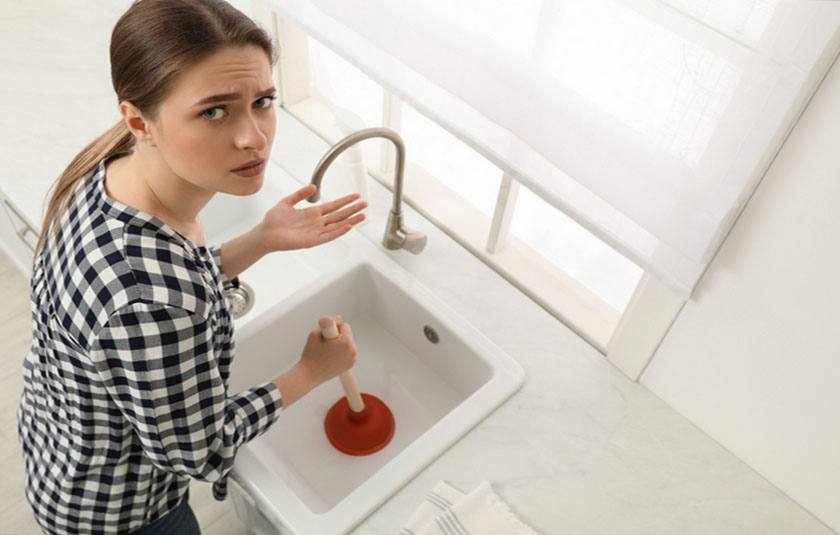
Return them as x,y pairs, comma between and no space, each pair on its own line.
357,424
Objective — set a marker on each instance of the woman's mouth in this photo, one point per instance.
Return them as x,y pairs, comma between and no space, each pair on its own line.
252,168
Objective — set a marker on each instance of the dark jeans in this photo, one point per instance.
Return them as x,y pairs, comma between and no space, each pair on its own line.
178,521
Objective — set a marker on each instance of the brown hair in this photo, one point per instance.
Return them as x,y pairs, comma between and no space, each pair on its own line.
151,43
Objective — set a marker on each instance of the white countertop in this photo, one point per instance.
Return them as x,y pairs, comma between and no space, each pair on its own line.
578,449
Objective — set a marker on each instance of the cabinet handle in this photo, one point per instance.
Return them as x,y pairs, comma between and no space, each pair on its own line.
26,228
22,235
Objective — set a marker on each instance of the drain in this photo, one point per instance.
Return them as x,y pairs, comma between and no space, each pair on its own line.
431,334
240,298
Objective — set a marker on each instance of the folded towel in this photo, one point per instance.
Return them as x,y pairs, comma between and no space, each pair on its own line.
448,511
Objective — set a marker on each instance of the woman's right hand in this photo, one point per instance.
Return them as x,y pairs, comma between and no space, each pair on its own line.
325,359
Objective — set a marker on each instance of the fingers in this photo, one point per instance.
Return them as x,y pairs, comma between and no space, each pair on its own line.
336,232
356,219
339,228
332,206
340,215
345,330
300,194
314,335
346,334
316,332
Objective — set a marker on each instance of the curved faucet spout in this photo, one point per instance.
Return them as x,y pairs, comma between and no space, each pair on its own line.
396,235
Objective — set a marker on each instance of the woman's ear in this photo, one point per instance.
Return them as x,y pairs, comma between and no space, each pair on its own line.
136,123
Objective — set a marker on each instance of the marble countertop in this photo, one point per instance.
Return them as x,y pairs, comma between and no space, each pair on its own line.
578,449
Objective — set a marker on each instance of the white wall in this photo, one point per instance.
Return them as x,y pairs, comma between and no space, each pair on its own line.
754,358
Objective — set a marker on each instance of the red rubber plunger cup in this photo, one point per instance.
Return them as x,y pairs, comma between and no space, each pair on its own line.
357,424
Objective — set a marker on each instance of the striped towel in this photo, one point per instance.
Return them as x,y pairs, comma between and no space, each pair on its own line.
448,511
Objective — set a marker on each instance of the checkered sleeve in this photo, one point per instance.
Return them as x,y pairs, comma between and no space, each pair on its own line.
216,252
157,363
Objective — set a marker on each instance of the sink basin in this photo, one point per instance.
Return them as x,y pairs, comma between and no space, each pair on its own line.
437,390
291,480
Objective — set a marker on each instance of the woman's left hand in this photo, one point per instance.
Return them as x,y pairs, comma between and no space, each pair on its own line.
285,227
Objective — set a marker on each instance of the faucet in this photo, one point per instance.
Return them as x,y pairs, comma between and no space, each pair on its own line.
396,235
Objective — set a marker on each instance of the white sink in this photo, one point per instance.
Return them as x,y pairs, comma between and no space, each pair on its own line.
437,392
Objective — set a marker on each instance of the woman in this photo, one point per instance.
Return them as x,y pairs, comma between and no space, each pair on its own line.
125,388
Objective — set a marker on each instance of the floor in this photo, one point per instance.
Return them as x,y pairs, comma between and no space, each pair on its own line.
214,517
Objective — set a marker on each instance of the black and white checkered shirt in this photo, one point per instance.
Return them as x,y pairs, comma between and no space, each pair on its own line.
125,393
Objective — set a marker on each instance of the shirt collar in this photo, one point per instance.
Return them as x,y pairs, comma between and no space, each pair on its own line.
133,216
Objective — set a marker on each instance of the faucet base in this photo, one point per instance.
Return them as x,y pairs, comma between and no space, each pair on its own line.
399,237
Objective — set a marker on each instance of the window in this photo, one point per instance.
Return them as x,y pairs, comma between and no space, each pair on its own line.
650,136
570,272
446,158
343,85
573,249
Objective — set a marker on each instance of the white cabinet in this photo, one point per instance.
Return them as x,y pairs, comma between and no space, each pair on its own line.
17,235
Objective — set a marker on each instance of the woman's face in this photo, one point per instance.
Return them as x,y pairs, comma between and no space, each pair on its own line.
202,138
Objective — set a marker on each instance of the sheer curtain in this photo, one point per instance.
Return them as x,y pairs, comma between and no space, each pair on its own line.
647,121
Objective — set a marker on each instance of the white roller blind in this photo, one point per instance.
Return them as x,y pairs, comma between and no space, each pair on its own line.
646,121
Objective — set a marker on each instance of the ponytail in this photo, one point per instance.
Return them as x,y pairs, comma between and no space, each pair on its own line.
117,139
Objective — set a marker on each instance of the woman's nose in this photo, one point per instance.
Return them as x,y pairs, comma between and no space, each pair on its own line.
250,134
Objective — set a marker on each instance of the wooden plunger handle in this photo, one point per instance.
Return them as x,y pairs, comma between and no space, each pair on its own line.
329,330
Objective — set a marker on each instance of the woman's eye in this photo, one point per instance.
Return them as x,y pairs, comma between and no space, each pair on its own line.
215,118
209,113
270,99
